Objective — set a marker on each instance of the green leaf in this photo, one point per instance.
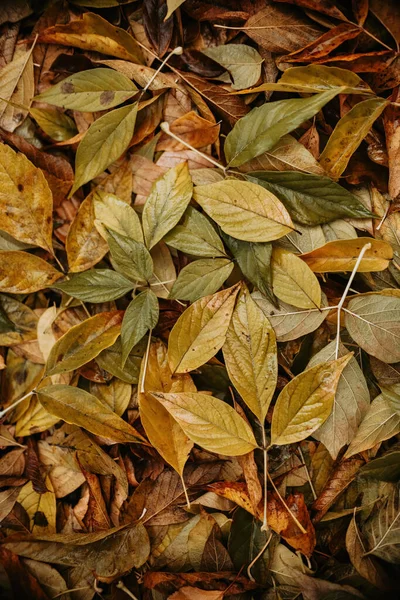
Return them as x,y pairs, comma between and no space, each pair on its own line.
350,404
262,128
311,199
104,142
288,321
209,422
55,124
316,78
244,210
129,257
293,281
250,355
195,235
243,62
254,260
306,402
374,323
110,360
140,316
166,203
83,342
6,324
200,278
90,91
78,407
348,135
113,213
96,285
200,331
383,468
381,422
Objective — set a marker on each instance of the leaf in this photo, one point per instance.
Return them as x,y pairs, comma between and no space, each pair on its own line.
250,355
348,135
164,433
383,468
11,76
341,255
26,201
325,44
8,498
381,422
164,273
311,199
92,32
113,213
373,322
244,210
262,128
41,508
316,78
83,342
172,6
57,125
140,316
166,203
209,422
84,245
78,407
200,278
90,91
96,285
350,404
130,258
200,331
195,235
109,554
293,281
382,530
104,142
306,402
158,28
243,62
23,273
192,129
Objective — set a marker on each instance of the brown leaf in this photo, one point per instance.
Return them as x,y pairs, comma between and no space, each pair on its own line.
192,129
158,30
391,122
324,45
167,582
23,584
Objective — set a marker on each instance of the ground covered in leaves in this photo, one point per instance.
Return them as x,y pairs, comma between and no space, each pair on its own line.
199,299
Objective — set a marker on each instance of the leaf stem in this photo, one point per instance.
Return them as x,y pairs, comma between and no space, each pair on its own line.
265,455
308,473
176,51
165,128
255,559
295,519
123,587
14,404
343,298
146,361
185,491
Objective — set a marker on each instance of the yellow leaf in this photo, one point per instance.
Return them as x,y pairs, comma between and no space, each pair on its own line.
84,245
250,355
209,422
41,508
94,33
341,255
164,433
200,331
23,273
244,210
293,281
26,201
78,407
83,342
306,402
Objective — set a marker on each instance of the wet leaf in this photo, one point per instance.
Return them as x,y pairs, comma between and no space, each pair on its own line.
250,355
244,210
201,331
90,91
306,402
78,407
209,422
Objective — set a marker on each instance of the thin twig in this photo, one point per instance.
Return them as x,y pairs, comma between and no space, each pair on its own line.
308,474
295,519
343,298
265,455
255,559
185,491
146,360
14,404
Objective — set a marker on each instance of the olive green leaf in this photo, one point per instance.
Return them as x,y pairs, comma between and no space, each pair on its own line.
130,258
311,199
104,142
244,210
250,354
140,316
166,203
55,124
195,235
96,285
90,91
113,213
306,402
200,278
243,62
209,422
262,128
